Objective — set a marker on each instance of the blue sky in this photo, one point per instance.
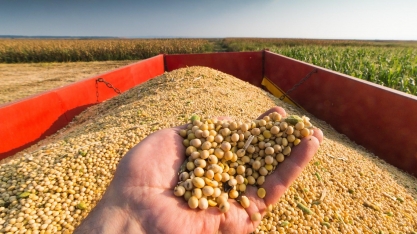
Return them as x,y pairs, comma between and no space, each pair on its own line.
323,19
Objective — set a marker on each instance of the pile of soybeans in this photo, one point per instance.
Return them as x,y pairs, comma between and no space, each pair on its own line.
51,187
224,157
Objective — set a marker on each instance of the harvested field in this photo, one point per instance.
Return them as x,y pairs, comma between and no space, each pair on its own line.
22,80
53,186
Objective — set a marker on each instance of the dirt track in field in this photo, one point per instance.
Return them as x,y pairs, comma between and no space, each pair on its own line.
22,80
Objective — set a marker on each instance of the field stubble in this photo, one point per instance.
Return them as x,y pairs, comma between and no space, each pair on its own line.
25,79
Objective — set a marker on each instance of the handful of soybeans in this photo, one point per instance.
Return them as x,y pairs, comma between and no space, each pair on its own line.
224,157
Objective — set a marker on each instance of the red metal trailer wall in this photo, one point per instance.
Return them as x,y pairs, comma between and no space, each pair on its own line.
382,120
27,121
243,65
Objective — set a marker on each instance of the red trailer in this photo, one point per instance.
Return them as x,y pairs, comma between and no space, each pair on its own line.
379,118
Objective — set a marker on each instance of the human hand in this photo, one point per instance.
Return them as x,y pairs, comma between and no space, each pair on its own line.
140,198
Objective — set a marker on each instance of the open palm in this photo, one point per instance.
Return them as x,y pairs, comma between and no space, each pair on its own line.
141,193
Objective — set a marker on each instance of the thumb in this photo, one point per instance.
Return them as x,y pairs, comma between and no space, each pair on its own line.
286,172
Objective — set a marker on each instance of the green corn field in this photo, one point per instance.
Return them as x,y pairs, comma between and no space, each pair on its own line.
389,63
391,67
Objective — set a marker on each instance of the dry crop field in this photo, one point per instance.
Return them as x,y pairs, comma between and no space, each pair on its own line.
75,50
25,79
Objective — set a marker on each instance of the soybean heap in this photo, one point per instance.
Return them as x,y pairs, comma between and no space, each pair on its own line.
52,186
223,157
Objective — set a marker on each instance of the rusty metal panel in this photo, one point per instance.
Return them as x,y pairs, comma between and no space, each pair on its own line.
24,122
246,66
379,118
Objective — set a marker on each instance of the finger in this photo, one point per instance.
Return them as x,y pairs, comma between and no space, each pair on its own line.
235,220
178,128
287,171
318,134
278,109
224,118
257,204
